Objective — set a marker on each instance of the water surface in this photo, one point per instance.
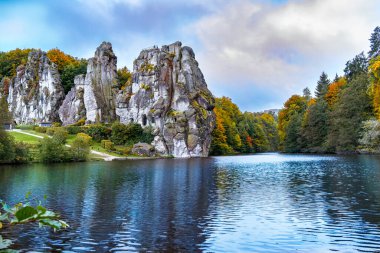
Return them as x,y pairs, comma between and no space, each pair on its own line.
257,203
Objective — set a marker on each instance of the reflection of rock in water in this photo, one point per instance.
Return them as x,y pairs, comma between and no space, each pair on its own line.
171,207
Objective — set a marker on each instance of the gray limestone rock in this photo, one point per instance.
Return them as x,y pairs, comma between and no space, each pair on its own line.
36,93
94,94
169,93
73,108
143,149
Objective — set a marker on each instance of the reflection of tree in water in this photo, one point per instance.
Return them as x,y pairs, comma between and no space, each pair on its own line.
338,197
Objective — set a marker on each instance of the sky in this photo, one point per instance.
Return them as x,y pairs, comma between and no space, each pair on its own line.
258,52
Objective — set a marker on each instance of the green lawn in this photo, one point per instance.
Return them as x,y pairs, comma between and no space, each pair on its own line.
25,138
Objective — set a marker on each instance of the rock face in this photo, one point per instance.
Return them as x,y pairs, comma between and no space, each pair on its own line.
36,93
100,80
73,108
93,96
169,94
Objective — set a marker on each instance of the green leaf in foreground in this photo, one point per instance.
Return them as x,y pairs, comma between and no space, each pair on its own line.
25,213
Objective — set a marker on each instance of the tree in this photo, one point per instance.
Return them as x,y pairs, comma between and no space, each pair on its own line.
292,141
357,66
370,139
295,105
334,90
9,61
124,78
322,85
315,127
374,43
306,93
69,73
352,108
68,67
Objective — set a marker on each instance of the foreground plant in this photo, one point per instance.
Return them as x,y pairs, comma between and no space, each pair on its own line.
26,212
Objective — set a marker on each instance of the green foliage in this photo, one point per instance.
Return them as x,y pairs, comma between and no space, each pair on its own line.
70,71
27,212
315,127
107,145
375,43
80,147
124,78
98,132
74,129
356,66
242,132
9,61
52,150
322,85
40,129
352,108
130,134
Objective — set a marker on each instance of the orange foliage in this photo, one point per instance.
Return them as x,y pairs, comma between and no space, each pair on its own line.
333,91
60,58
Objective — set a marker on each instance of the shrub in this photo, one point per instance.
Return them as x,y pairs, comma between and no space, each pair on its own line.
40,129
123,150
107,144
50,131
22,153
98,132
56,124
80,148
130,134
60,134
52,150
74,129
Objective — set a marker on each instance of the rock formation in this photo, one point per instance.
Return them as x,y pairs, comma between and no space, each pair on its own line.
169,93
93,96
36,93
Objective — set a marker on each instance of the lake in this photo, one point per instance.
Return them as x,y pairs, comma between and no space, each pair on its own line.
256,203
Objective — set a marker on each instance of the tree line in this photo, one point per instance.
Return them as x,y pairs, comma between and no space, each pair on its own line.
344,114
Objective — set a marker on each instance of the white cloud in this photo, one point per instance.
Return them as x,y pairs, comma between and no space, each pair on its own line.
282,46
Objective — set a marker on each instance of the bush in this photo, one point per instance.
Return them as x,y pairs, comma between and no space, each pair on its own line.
50,131
107,145
98,132
40,129
130,134
22,153
74,129
56,124
60,134
52,150
80,148
123,150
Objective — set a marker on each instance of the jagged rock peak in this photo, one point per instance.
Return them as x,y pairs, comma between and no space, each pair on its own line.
99,85
169,94
36,93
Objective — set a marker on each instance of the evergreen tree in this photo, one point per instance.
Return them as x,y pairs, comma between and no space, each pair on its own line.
306,93
322,85
356,66
315,126
352,108
374,43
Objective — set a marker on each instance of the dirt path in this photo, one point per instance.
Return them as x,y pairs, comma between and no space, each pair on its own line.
104,156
